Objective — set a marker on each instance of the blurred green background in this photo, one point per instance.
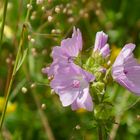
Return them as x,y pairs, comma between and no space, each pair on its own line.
34,111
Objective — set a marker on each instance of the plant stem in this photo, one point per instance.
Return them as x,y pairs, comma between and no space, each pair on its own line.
17,57
118,116
100,134
28,12
12,77
3,21
44,118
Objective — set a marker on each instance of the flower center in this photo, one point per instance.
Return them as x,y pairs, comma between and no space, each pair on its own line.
125,71
70,60
76,84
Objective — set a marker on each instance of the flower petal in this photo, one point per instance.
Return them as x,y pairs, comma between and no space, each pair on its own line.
105,51
58,53
73,45
126,70
67,97
100,40
83,101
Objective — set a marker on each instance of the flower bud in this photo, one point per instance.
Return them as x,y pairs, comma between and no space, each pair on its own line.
24,90
29,6
57,9
77,127
43,106
50,18
99,85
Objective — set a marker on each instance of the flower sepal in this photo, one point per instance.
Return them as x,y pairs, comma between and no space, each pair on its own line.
98,87
99,59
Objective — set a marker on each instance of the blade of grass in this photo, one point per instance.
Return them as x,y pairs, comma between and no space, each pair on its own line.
3,21
24,27
12,77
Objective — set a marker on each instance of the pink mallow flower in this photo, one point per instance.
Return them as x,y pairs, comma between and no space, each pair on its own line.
126,70
65,53
101,45
71,83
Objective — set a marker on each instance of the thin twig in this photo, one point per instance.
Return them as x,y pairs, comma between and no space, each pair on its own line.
44,118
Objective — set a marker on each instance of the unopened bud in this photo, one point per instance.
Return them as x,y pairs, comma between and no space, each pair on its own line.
24,90
71,20
33,85
69,12
68,5
43,106
34,52
109,62
64,10
29,6
99,85
44,52
32,40
53,31
42,8
77,127
50,18
58,31
57,9
138,116
29,37
86,15
32,17
97,12
8,60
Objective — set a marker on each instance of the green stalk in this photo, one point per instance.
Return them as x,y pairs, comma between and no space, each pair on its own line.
3,21
100,134
17,57
28,12
13,75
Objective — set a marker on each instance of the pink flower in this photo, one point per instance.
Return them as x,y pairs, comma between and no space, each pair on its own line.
70,81
70,47
72,85
126,70
65,53
101,45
